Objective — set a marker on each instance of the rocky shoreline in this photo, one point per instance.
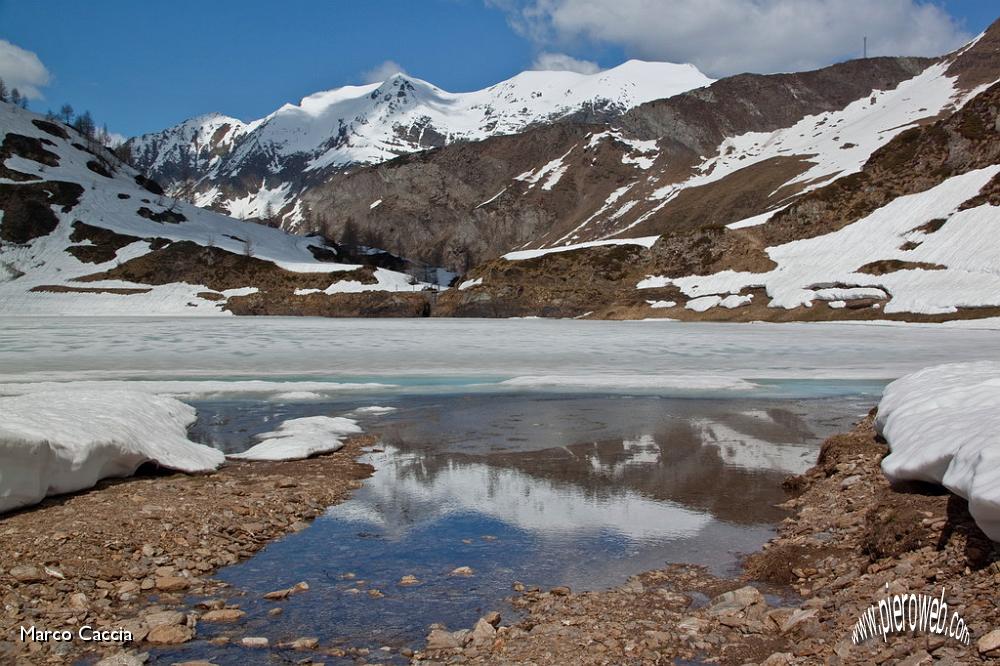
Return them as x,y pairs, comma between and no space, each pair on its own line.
851,541
124,554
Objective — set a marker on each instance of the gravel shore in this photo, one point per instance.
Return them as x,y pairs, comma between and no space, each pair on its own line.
123,555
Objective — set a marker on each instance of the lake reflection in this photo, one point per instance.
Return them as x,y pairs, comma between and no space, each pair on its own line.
550,490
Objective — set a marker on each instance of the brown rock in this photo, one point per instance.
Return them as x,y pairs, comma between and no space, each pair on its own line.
164,618
122,659
737,601
223,615
409,579
483,633
170,634
462,571
778,659
254,642
989,644
283,594
172,583
27,573
304,644
439,639
796,619
920,658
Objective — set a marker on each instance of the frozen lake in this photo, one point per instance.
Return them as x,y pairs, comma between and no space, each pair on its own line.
533,353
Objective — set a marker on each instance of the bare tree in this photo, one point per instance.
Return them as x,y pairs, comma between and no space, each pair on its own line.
248,247
3,91
85,125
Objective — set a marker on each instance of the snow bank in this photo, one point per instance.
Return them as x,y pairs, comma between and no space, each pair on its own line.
943,426
66,440
300,438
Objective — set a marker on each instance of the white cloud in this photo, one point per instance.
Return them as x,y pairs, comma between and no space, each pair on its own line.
22,69
382,71
560,62
725,37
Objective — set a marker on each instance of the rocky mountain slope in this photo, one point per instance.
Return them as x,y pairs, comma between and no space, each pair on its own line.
257,169
859,191
82,233
870,210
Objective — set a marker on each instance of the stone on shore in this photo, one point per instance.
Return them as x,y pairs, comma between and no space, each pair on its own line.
169,634
27,573
223,615
124,659
172,583
989,644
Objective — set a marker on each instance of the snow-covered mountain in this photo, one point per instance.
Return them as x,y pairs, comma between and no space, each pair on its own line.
83,233
853,192
256,169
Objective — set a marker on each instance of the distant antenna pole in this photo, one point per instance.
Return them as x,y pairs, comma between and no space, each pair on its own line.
866,46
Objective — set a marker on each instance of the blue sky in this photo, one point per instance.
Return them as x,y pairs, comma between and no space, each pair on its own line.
143,65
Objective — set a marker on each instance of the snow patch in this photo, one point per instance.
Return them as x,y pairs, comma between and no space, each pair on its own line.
60,441
468,284
942,425
520,255
301,438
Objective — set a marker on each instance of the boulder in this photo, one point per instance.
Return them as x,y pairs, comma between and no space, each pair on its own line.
223,615
989,644
736,601
169,634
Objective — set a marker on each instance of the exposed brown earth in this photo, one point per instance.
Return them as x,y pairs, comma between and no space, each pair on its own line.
363,304
27,208
66,289
99,557
218,269
850,535
103,243
892,265
30,148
